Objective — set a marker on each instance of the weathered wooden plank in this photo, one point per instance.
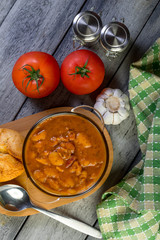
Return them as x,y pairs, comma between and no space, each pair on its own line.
33,25
10,226
5,6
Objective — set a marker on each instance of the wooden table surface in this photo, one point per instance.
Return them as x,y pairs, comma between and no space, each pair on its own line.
46,26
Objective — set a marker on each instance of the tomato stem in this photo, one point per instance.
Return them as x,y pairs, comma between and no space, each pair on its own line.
32,75
81,70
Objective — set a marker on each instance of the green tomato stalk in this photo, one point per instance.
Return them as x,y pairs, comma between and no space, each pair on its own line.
33,75
81,70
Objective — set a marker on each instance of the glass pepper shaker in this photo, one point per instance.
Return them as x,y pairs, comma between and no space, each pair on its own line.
87,28
114,38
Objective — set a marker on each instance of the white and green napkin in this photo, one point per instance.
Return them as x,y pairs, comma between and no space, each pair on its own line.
131,210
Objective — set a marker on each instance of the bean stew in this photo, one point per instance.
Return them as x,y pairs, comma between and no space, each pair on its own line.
65,154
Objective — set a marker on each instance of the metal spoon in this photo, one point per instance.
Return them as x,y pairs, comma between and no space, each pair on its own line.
15,198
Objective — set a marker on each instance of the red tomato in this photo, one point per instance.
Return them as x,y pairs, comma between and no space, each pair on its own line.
36,74
82,72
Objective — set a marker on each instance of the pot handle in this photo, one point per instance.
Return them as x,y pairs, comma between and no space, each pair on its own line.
98,113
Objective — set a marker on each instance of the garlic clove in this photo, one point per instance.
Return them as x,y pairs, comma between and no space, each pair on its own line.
100,107
125,98
123,112
116,119
122,103
118,93
108,118
108,92
101,97
127,106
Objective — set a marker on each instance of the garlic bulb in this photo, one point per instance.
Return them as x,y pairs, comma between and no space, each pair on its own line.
113,105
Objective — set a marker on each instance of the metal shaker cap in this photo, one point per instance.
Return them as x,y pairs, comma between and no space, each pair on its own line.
87,26
115,37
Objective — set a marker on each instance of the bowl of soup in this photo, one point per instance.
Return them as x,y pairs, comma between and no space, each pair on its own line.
66,154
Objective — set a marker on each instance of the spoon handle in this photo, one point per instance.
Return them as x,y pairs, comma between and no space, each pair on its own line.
75,224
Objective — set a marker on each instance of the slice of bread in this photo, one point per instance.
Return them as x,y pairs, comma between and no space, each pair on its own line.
11,143
10,168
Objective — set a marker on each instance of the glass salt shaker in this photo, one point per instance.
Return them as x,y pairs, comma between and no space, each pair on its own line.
87,28
114,38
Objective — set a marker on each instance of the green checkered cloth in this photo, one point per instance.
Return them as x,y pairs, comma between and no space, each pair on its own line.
131,209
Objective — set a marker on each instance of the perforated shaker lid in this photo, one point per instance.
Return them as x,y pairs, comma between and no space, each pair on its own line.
87,26
115,37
